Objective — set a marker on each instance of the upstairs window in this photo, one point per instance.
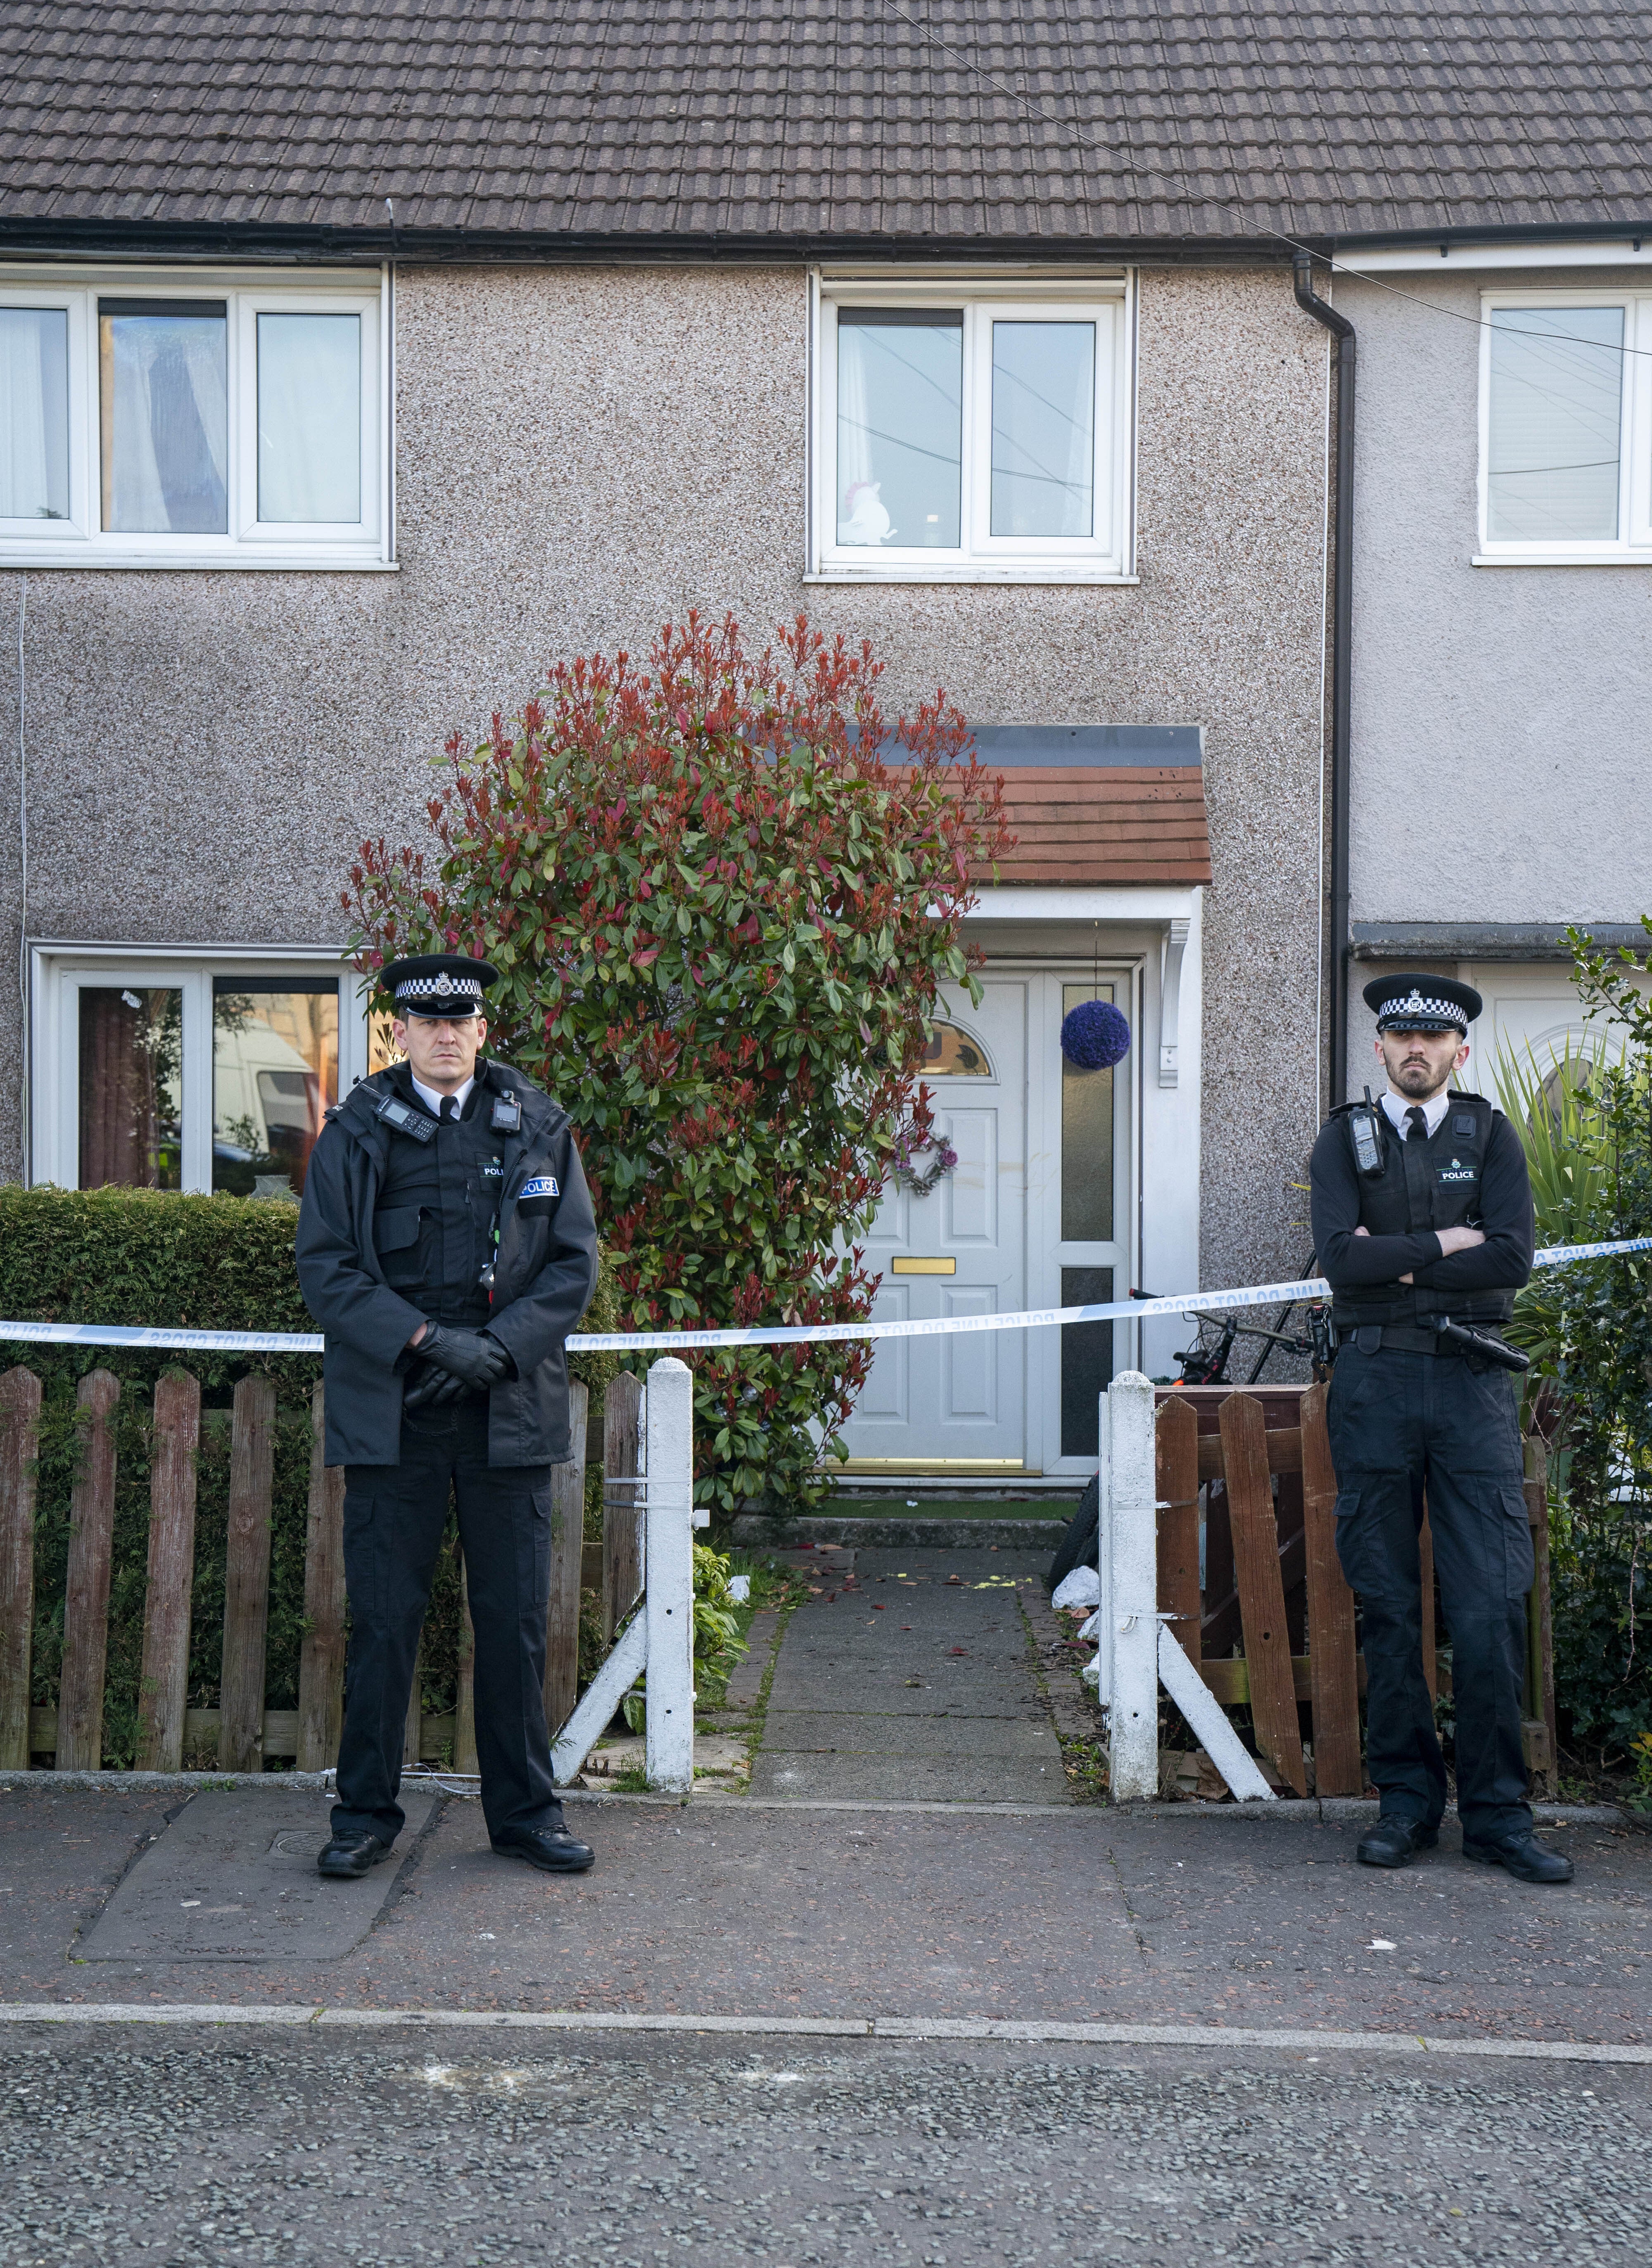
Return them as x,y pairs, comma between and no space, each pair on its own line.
968,438
1566,457
153,424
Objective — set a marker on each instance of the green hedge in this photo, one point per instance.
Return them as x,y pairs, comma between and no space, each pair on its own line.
200,1263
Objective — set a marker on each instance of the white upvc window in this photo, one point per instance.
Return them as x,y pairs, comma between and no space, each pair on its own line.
1566,428
971,432
183,1067
182,418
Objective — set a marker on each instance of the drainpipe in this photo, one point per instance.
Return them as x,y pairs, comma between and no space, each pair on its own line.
1341,661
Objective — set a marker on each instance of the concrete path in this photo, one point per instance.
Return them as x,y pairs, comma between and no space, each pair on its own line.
911,1675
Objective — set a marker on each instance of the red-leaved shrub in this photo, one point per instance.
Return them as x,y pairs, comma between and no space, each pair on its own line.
722,893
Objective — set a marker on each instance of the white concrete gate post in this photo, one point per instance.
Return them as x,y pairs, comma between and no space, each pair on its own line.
669,1596
659,1639
1137,1651
1130,1588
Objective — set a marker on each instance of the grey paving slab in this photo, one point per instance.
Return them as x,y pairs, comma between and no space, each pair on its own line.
861,1733
910,1777
232,1878
896,1635
898,1683
745,1682
908,1689
1280,1914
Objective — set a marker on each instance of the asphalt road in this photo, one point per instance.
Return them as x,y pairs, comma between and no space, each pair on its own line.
187,2148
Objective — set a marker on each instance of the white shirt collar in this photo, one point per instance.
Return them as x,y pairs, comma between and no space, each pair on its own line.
1433,1111
433,1102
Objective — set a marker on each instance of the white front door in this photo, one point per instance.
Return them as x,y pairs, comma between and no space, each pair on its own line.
1037,1214
957,1402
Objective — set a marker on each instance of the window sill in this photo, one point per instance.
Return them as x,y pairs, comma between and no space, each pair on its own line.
1561,559
88,561
971,572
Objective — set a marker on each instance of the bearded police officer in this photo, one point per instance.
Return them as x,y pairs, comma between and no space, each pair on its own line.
1422,1218
447,1248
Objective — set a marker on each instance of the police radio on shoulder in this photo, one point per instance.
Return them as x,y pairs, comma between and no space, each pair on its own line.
1366,1137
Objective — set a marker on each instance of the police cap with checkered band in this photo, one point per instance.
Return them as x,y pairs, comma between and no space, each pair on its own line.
1413,1003
447,985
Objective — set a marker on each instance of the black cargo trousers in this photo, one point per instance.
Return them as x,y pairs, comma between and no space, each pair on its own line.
395,1517
1400,1422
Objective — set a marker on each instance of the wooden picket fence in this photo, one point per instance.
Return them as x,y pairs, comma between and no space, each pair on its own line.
1274,1625
243,1733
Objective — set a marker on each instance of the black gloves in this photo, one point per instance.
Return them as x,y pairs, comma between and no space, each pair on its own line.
462,1362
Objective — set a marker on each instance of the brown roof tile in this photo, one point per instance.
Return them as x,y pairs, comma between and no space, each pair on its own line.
1105,824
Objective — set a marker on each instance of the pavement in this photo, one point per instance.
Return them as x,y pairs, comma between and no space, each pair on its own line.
783,1910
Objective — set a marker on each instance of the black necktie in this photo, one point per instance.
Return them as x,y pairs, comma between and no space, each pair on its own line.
1416,1124
450,1108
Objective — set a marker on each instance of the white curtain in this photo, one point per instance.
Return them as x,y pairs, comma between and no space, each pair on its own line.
309,418
34,413
169,423
854,442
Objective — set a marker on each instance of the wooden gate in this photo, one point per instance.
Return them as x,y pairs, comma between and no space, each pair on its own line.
1272,1626
243,1733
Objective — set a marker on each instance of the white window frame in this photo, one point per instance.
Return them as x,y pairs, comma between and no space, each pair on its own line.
1633,545
1106,556
364,546
58,973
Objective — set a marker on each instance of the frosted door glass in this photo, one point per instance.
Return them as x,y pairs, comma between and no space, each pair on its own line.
1043,429
164,379
899,428
34,413
1555,424
1087,1139
309,418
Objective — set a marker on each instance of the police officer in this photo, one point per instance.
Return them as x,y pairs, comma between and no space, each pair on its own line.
446,1247
1422,1214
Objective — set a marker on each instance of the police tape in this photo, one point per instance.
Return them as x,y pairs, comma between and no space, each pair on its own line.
1030,1319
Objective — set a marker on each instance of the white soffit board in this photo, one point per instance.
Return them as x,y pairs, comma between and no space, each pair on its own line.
1430,259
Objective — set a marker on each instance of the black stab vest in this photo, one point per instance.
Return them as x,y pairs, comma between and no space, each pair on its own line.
437,1202
1425,1184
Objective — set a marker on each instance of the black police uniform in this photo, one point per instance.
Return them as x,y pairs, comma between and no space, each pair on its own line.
1403,1414
404,1214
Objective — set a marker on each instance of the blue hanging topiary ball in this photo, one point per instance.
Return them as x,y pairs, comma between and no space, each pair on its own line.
1095,1035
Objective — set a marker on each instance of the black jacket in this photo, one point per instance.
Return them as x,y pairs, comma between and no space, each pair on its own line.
545,1274
1364,1271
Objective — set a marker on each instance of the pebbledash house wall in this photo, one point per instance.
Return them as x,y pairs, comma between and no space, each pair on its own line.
583,452
1501,716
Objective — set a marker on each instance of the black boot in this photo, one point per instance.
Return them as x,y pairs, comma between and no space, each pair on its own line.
1523,1855
347,1856
1394,1841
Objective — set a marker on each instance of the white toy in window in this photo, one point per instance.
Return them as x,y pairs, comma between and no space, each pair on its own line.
868,521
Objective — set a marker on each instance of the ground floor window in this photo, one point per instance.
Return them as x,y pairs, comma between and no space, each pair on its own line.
155,1068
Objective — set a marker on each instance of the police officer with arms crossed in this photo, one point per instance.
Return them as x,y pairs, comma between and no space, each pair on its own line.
1422,1214
447,1248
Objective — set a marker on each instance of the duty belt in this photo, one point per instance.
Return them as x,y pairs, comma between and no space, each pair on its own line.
1414,1338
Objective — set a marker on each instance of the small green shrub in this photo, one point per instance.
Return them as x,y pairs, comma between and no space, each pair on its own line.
1586,1122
